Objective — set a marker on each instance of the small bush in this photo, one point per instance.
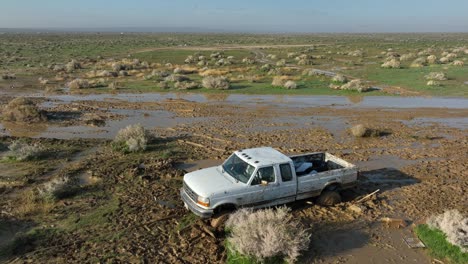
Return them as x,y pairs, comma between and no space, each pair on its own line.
21,151
211,82
23,110
357,85
433,83
419,63
58,188
133,138
436,76
458,63
432,59
265,234
78,84
362,131
177,78
339,78
391,64
290,85
455,227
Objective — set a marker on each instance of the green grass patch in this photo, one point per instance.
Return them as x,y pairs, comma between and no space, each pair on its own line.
413,78
436,242
234,257
96,217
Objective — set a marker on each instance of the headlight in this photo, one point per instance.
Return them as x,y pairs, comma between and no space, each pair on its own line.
203,201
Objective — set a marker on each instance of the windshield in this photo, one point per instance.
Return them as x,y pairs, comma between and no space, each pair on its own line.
238,169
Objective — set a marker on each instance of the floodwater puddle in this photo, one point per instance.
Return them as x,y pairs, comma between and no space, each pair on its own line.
458,122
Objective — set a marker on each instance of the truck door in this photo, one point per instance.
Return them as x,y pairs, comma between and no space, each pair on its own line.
288,185
266,184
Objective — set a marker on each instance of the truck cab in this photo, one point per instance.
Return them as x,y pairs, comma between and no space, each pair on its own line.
260,177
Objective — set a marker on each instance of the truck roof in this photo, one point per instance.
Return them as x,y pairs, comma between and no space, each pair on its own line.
262,156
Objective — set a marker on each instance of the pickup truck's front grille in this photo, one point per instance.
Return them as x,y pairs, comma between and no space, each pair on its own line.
190,193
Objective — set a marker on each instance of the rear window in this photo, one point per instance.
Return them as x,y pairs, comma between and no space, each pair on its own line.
286,173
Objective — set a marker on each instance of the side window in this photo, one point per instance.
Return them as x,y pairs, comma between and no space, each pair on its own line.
286,173
264,174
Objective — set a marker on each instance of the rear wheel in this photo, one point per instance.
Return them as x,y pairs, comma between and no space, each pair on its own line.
329,198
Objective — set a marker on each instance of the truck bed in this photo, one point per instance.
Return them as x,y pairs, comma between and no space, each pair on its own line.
326,169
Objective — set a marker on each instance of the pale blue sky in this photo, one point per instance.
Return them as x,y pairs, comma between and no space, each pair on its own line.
242,15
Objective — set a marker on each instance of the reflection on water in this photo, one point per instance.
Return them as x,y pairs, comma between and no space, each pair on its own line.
282,100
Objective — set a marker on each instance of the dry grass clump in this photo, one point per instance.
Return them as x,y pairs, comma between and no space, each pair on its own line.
280,81
454,225
356,53
219,82
186,85
362,131
458,63
281,63
176,78
391,64
432,59
22,151
78,84
290,85
43,81
357,85
419,63
57,188
433,83
213,72
339,78
268,233
23,110
184,71
406,57
436,76
73,65
132,138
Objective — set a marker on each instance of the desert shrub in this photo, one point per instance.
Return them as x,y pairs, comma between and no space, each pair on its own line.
361,131
132,138
266,67
264,234
57,188
290,85
458,63
72,65
22,151
392,63
248,61
23,110
78,84
356,53
186,85
43,81
436,76
59,68
176,78
281,63
432,59
406,57
339,78
118,67
212,82
433,83
304,62
418,63
357,85
279,80
454,225
182,71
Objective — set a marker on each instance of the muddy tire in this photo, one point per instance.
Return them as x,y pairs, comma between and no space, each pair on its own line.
329,198
219,219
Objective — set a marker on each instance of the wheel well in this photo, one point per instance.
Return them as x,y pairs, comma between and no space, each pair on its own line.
225,207
332,187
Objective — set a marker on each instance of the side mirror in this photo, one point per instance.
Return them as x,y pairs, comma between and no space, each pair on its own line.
264,183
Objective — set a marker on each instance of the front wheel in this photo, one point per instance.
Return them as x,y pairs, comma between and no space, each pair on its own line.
329,198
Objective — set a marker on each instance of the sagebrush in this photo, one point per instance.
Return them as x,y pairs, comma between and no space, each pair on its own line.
22,151
132,138
267,233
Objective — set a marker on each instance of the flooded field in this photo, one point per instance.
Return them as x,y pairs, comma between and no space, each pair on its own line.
417,158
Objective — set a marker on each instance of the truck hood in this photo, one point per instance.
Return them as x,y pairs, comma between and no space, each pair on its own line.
209,181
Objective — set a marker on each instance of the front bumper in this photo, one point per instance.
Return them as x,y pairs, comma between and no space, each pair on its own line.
192,206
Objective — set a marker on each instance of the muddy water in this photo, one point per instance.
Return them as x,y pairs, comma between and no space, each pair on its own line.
281,100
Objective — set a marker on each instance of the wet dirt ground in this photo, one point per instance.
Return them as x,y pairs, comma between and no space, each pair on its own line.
419,164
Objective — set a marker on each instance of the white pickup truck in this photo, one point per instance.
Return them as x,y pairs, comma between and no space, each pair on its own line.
264,177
